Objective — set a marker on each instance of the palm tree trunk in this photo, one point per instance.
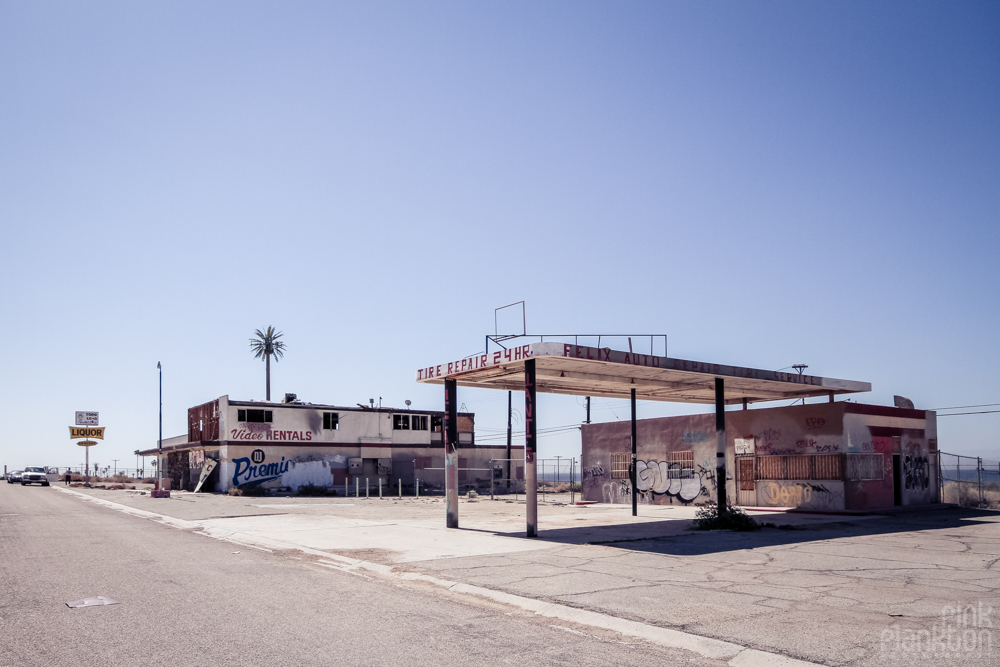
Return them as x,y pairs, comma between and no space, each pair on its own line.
268,362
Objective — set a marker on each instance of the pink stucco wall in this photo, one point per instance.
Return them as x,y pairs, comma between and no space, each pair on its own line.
822,428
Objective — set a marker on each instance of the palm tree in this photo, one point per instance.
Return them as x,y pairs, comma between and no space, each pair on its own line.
264,344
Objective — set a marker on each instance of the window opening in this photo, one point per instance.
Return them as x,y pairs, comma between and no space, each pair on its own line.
254,416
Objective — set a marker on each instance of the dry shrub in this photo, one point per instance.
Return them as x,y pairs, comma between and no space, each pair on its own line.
731,518
250,491
966,494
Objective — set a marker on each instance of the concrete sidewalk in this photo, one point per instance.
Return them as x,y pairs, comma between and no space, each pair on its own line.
827,589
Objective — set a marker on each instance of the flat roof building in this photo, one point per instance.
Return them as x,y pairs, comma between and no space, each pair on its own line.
821,457
291,444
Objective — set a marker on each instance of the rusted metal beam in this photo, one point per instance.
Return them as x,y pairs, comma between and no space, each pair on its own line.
720,432
450,452
530,448
632,467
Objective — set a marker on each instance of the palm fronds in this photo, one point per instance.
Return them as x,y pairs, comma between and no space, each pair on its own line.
265,343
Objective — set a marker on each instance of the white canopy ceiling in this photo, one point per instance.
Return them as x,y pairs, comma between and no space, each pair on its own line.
589,371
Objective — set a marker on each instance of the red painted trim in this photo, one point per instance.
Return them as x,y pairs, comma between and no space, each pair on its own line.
890,431
313,443
882,411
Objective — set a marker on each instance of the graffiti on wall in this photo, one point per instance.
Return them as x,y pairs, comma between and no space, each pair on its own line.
801,494
656,482
246,472
661,478
916,473
312,469
619,491
769,441
694,437
707,473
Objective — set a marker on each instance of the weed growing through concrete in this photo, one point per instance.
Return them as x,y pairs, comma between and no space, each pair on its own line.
709,517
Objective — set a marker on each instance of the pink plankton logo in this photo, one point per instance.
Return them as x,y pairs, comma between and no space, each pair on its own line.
964,629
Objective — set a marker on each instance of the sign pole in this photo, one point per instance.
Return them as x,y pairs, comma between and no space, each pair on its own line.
159,454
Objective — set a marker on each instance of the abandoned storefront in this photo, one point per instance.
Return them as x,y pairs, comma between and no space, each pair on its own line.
293,444
822,457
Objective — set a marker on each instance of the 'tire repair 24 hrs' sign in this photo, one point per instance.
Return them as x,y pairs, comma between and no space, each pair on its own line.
87,419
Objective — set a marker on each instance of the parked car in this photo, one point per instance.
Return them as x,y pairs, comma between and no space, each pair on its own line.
14,476
34,475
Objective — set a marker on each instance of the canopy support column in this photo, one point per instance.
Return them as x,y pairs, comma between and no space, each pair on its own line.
632,467
530,447
720,433
450,453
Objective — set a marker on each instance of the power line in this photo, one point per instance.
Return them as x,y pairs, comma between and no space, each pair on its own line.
963,407
956,414
541,432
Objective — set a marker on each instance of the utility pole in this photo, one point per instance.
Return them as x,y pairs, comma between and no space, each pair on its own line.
588,410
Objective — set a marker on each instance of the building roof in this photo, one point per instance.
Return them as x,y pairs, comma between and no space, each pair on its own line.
271,405
589,371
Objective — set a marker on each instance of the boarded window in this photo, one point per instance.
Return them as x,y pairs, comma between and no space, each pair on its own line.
745,473
861,467
816,466
826,466
770,467
620,466
680,465
797,467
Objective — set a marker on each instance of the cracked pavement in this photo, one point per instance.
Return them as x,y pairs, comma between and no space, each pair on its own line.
837,590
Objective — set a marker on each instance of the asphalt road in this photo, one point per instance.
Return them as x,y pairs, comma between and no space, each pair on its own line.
188,599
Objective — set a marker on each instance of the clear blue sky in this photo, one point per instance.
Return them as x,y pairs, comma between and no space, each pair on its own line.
769,183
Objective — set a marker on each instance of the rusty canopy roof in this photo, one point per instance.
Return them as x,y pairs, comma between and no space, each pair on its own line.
590,371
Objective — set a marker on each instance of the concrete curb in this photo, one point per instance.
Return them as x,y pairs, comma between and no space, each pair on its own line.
716,649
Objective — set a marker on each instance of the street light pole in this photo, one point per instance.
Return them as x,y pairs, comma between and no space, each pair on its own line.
159,456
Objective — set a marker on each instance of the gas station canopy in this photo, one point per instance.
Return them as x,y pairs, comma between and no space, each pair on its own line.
590,371
562,368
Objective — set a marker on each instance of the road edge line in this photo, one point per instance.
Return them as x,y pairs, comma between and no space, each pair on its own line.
707,647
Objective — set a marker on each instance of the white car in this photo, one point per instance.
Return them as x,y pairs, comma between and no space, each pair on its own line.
35,475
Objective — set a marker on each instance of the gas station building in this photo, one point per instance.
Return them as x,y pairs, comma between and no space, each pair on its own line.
833,456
